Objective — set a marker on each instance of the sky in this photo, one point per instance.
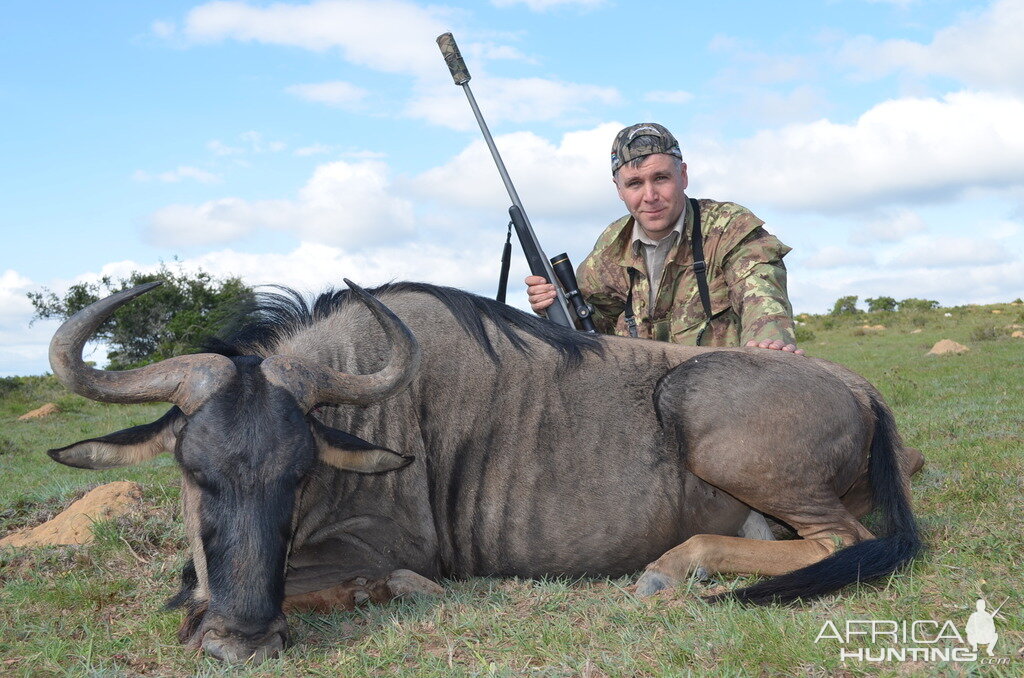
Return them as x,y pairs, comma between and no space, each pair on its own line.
300,143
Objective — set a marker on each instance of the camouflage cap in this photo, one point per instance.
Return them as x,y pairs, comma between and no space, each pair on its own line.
662,142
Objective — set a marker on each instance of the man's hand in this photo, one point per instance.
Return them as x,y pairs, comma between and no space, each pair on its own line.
777,345
540,292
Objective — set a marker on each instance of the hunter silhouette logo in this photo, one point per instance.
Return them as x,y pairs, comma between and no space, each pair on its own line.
928,640
981,628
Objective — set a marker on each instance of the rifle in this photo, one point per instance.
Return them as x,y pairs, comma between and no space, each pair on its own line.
557,270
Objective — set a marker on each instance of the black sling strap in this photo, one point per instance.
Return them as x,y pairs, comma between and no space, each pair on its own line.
700,269
630,315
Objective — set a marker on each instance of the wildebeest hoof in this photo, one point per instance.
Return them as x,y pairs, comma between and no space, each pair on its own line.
652,581
407,582
701,575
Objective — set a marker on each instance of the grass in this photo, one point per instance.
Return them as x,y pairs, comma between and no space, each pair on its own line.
95,610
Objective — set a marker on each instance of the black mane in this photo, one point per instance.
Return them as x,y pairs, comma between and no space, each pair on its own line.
280,314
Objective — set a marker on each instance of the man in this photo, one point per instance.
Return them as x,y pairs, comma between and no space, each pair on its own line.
641,279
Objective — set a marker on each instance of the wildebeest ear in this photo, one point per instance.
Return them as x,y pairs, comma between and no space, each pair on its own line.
126,447
350,453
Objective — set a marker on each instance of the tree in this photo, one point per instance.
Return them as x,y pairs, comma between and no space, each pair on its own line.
881,304
913,304
845,306
172,319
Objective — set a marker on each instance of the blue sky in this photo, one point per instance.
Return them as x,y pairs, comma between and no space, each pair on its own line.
300,143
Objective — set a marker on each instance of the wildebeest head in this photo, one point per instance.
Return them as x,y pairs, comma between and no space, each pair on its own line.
242,434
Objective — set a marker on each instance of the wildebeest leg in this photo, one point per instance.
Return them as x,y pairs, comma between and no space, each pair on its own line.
347,595
735,555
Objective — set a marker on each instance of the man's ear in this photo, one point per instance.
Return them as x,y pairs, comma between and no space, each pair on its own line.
349,453
126,447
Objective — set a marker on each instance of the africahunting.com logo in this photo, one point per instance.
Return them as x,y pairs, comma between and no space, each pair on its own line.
920,640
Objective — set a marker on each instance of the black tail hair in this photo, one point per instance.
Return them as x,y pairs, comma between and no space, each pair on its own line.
865,560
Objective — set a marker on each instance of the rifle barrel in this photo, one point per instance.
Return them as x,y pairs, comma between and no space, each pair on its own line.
558,312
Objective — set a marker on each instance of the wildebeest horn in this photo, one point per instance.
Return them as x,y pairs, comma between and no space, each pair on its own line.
187,381
313,384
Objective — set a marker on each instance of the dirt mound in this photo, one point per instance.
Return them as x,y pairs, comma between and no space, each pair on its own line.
74,524
44,411
947,346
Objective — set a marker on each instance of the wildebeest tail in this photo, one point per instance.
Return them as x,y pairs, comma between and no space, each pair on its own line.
896,546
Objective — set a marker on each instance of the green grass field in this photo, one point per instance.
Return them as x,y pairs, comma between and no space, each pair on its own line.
96,610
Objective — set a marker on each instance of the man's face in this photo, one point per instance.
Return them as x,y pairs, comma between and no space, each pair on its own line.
653,192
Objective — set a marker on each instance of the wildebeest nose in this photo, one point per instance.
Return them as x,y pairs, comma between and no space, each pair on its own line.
235,650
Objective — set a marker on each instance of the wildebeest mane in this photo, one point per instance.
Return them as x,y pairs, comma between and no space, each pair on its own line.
281,313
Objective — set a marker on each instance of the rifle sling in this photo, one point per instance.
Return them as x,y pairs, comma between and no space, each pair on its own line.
506,262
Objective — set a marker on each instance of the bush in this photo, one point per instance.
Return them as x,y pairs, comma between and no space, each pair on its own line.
881,304
803,335
913,304
845,306
173,319
986,333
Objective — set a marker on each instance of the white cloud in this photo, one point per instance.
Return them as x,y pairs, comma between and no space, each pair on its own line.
946,252
312,149
815,292
309,268
178,174
218,147
22,348
831,256
349,204
899,150
338,93
892,227
513,100
163,29
983,49
570,179
356,27
13,287
252,142
494,52
663,96
257,144
545,5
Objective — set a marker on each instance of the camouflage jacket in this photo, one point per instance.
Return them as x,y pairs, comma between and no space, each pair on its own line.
746,281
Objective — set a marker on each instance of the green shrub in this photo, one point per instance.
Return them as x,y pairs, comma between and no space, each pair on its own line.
173,319
881,304
913,304
845,306
803,334
986,333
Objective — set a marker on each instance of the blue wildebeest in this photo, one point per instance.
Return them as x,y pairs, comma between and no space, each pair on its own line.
378,440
